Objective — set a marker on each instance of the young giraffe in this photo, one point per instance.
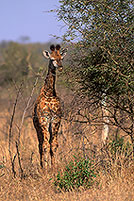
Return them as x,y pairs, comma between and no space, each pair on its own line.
47,109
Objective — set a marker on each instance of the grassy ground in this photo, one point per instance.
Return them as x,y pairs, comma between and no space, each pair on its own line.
38,185
40,188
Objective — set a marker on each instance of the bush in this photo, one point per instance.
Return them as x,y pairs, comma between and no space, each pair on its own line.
119,146
79,172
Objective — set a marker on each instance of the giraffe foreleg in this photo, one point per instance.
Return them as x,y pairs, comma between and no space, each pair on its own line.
40,137
54,142
53,149
46,150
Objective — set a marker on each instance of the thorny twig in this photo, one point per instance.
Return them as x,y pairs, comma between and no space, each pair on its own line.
10,130
20,129
26,108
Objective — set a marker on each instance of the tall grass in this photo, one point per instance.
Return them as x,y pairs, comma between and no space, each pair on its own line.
96,173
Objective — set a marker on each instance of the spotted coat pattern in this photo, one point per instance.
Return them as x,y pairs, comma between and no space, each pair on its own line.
47,117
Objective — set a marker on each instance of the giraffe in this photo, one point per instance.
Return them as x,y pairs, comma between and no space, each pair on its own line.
47,109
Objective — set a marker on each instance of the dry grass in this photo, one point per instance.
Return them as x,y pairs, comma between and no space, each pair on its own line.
38,185
42,189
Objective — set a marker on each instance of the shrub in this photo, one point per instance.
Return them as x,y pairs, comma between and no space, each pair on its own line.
116,157
119,146
79,172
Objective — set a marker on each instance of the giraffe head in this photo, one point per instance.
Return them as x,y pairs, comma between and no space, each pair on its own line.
55,57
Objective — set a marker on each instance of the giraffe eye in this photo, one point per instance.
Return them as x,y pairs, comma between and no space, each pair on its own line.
52,59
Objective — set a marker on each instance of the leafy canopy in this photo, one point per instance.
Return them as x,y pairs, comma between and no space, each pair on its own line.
105,49
101,63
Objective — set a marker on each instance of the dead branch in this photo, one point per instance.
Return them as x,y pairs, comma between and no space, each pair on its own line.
12,159
20,129
25,110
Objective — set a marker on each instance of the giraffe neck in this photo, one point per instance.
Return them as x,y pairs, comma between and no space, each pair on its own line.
49,84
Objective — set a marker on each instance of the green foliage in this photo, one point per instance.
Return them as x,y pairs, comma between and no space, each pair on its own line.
105,51
102,60
99,74
21,61
1,166
119,146
79,172
15,63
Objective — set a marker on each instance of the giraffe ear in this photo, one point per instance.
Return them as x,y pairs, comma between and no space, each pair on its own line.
63,53
46,54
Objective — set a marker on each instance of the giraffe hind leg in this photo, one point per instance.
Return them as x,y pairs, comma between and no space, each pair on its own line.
41,141
44,146
39,135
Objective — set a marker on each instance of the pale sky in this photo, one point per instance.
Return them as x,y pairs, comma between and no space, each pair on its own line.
27,18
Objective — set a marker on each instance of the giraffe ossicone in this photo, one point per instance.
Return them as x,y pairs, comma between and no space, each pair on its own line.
47,109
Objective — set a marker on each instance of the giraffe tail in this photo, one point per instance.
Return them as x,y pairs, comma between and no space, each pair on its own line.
50,131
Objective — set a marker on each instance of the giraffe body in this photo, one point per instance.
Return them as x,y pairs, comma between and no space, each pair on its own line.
47,118
47,114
